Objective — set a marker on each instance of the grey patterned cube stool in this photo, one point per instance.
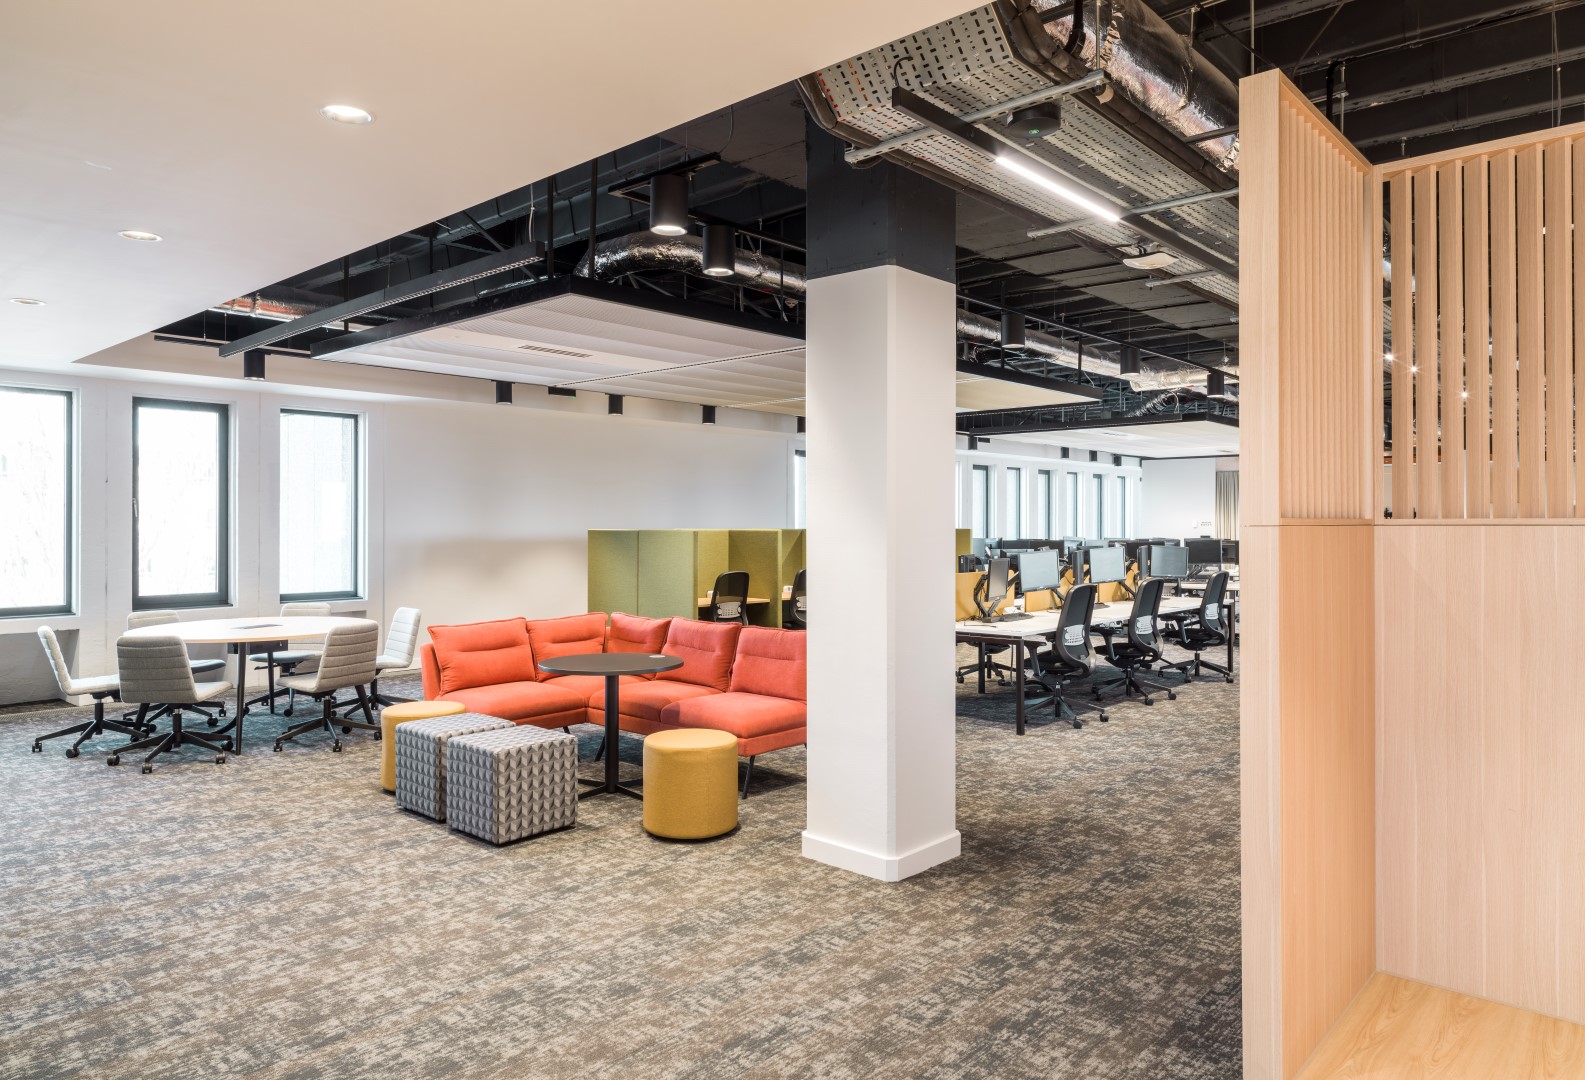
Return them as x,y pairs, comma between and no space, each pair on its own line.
504,785
421,758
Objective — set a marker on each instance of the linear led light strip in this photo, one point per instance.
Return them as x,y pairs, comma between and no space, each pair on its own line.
683,367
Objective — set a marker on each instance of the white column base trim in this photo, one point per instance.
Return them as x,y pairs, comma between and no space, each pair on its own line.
882,867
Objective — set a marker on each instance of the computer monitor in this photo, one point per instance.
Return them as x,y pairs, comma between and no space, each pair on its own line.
1230,552
977,546
1106,563
1164,561
993,545
1204,551
1040,570
1133,546
996,585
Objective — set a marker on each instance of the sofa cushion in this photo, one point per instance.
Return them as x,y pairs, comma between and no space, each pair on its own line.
633,633
706,650
770,662
525,702
566,636
645,700
748,716
481,654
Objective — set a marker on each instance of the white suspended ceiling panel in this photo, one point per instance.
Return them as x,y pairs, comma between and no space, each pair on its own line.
976,393
1188,438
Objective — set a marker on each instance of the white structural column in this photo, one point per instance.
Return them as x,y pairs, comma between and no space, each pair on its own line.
881,375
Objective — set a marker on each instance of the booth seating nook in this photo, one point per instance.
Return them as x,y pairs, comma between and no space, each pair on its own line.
746,681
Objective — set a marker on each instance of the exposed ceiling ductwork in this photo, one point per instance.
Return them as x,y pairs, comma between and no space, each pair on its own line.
1150,64
645,251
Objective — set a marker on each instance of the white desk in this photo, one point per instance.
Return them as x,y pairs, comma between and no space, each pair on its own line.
1041,625
240,633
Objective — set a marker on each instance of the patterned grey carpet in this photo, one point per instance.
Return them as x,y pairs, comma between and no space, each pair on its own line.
276,916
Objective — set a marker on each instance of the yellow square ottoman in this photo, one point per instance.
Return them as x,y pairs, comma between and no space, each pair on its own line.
401,713
690,783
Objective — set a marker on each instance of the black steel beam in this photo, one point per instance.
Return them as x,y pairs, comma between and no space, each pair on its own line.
510,259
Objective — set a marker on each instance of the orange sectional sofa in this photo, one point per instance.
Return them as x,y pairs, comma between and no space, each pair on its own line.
748,681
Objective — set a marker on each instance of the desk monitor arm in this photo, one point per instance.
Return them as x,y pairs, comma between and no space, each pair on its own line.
987,606
1133,564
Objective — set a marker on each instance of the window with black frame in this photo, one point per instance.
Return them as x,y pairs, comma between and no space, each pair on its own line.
321,506
36,502
181,504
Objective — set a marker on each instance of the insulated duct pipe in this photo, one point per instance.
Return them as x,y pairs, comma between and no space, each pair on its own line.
262,307
1151,65
646,251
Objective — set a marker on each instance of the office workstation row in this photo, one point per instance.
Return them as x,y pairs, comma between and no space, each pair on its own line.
1057,615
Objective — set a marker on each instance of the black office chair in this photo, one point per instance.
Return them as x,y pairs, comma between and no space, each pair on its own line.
969,564
729,599
800,600
1070,656
1141,646
1206,627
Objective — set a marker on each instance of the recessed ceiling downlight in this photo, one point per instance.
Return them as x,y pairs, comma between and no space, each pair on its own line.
141,235
27,301
347,114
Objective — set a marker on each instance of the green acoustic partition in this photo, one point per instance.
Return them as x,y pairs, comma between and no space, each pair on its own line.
965,541
759,552
613,570
793,559
666,576
712,558
662,573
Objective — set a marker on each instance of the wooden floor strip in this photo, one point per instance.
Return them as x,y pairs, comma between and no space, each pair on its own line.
1402,1030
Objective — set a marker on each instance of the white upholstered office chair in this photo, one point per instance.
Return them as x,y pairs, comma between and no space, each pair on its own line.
288,661
200,667
156,671
101,688
347,661
401,641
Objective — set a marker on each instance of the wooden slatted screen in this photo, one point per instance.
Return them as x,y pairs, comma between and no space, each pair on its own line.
1487,268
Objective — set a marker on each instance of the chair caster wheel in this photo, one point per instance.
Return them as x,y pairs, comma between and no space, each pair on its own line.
213,721
1229,679
222,710
38,748
147,768
72,751
345,730
220,759
113,760
1076,725
1171,696
335,747
277,748
1105,718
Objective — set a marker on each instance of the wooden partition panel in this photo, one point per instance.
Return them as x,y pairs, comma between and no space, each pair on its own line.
1311,413
1482,760
1488,268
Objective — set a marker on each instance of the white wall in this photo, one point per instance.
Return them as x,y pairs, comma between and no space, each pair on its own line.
1180,497
488,509
474,511
1032,458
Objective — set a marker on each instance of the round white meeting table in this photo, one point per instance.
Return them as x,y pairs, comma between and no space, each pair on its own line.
237,635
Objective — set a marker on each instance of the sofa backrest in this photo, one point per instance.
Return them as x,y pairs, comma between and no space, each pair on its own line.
567,636
706,649
636,634
481,654
771,663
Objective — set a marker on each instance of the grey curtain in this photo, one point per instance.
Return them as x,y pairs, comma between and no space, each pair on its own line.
1227,505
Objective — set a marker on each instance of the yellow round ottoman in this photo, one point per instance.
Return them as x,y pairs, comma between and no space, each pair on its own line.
690,783
401,713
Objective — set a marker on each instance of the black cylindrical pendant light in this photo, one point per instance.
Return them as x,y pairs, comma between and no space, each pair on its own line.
503,392
1215,384
1012,330
720,250
709,414
253,365
668,204
1128,362
613,405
